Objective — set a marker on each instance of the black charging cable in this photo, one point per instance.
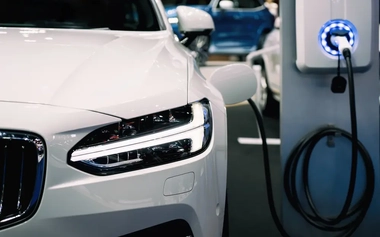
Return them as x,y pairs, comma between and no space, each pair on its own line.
351,215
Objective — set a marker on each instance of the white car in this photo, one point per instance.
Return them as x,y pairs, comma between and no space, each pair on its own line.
107,127
266,64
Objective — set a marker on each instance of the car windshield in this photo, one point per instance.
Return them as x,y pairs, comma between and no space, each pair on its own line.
186,2
129,15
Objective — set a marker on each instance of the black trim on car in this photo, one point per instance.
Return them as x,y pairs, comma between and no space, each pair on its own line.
175,228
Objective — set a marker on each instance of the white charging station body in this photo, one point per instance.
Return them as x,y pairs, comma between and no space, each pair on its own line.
313,15
307,103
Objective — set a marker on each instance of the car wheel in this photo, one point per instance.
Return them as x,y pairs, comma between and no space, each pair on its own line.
263,91
199,48
267,103
260,45
226,231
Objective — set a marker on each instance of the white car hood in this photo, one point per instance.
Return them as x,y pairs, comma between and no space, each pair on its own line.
126,74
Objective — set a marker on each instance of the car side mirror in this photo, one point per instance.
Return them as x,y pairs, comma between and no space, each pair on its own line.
193,22
236,83
226,4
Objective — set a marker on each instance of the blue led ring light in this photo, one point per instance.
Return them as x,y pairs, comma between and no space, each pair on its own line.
335,28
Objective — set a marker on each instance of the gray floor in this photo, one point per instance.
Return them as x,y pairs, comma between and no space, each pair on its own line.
248,207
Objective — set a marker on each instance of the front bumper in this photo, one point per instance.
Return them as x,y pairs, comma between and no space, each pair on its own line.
75,203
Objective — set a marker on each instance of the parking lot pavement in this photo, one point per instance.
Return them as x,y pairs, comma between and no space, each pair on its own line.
248,207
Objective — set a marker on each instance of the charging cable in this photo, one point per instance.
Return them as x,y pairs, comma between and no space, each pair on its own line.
351,216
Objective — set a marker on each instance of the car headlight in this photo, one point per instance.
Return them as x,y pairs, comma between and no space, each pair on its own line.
144,142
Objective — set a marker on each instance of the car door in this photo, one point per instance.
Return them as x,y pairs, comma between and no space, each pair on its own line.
228,28
238,29
254,18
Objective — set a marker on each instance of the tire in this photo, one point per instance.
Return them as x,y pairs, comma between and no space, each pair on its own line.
270,107
226,222
199,48
260,45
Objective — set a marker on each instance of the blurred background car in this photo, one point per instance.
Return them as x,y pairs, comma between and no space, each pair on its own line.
267,68
240,26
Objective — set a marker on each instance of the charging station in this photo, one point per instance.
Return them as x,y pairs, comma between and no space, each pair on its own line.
310,59
317,21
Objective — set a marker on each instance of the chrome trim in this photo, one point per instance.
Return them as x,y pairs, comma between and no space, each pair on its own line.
158,15
38,142
21,176
3,183
127,162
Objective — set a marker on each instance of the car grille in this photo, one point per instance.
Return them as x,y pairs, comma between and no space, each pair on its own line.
22,169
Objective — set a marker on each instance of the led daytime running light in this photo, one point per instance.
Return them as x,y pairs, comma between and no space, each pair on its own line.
333,28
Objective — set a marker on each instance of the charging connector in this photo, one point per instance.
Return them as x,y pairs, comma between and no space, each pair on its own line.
343,44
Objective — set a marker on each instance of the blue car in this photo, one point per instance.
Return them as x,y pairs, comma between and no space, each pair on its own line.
240,26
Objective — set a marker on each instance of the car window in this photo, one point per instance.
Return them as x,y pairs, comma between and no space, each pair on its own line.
246,3
249,3
186,2
130,15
